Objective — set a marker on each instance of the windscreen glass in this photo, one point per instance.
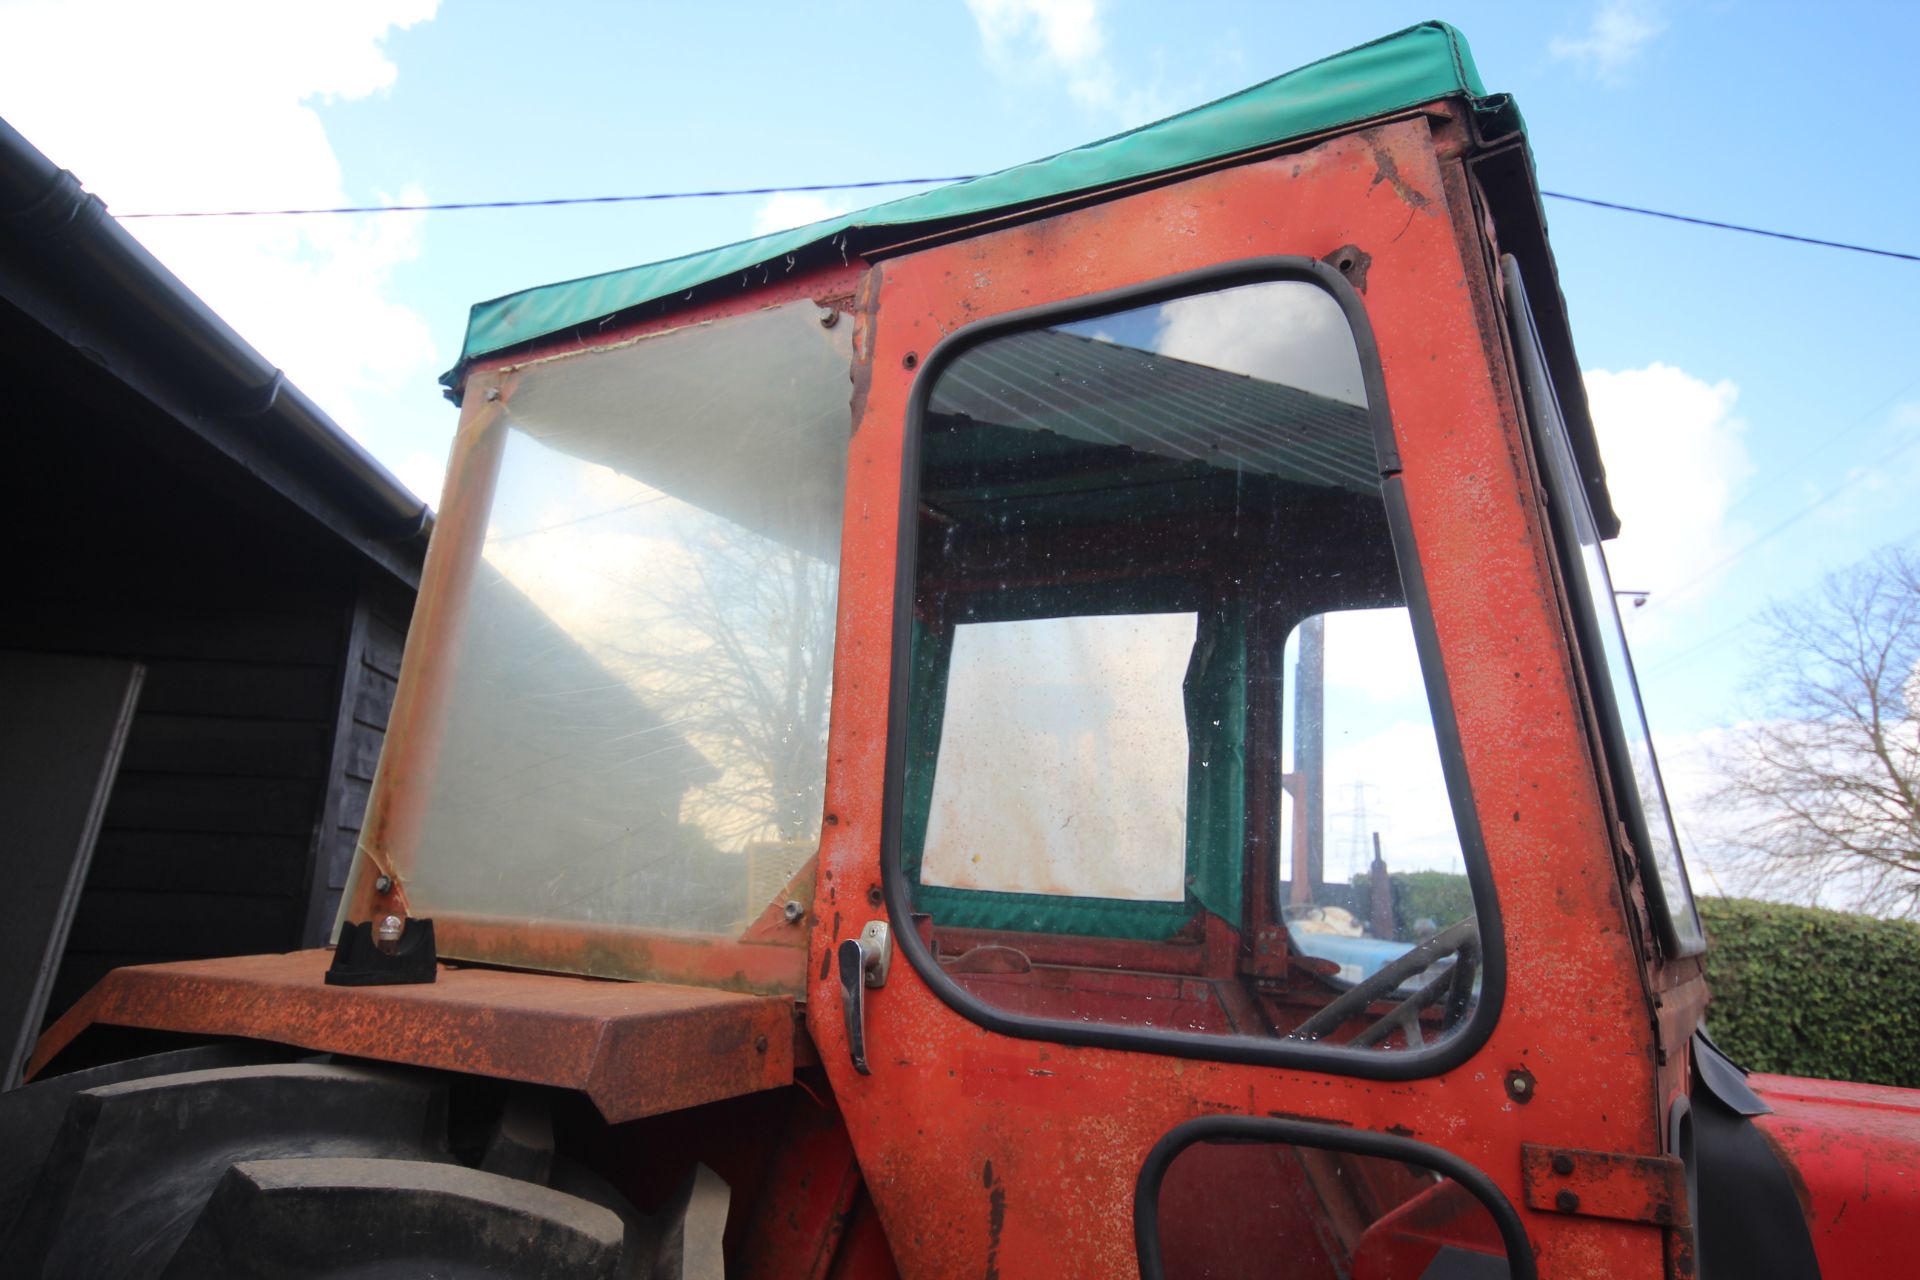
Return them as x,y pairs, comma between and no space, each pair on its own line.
1159,644
633,724
1623,721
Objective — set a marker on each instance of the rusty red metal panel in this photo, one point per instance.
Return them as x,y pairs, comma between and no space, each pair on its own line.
806,1194
864,1252
375,882
1854,1153
645,955
947,1098
634,1049
1605,1184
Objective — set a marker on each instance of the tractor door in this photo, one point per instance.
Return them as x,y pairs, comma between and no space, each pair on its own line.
1201,702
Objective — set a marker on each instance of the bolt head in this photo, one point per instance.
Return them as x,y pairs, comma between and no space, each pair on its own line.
793,911
383,884
829,317
1566,1202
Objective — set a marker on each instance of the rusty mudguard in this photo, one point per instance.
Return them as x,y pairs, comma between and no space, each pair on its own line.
1853,1153
634,1048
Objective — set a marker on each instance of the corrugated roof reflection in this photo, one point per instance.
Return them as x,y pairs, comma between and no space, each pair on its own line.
1105,393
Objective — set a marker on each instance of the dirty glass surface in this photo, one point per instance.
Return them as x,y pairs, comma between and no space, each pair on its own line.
1066,706
1126,523
1617,692
636,717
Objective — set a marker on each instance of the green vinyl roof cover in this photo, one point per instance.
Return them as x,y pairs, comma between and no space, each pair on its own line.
1420,64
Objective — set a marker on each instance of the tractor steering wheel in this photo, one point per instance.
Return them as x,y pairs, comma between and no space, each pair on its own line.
1461,941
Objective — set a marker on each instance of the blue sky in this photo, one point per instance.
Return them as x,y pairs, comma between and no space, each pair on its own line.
1739,381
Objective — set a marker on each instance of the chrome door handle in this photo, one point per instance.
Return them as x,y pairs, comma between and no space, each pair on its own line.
863,963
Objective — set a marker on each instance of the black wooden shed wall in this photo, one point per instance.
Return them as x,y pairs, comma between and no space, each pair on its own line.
271,649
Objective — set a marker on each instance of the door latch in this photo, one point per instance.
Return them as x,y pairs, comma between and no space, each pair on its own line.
863,963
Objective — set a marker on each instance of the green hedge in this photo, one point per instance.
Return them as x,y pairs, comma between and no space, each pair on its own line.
1805,992
1439,896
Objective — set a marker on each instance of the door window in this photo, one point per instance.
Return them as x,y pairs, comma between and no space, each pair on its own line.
1160,647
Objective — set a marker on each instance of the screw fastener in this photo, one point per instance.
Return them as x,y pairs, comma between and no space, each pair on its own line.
793,911
383,884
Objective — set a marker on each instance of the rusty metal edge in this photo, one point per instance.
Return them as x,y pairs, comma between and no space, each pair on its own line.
702,1046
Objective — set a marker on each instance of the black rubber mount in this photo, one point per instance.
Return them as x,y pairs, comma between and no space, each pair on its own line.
359,962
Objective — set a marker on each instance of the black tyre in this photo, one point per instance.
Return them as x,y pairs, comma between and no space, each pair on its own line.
312,1169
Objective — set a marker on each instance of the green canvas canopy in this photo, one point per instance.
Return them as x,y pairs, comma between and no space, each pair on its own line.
1420,64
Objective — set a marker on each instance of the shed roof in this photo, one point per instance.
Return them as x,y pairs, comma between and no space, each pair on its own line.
1421,64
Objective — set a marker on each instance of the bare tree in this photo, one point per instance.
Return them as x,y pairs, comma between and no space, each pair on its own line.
746,673
1828,783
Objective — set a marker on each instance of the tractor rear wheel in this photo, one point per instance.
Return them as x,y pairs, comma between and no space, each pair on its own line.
304,1169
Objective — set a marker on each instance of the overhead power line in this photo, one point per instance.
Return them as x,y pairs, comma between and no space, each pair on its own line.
723,193
1860,474
550,202
1733,226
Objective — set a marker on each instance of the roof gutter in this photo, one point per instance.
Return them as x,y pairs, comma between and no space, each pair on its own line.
111,284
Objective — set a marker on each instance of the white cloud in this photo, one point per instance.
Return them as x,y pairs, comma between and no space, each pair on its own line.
209,105
422,472
1063,41
796,209
1620,31
1283,331
1675,457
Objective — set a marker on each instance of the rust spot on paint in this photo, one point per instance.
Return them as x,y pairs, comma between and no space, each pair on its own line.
996,1219
1385,170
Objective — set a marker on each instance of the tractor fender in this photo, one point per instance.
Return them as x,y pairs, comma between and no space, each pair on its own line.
1853,1152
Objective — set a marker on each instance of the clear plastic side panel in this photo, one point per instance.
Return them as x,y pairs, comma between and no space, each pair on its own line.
633,728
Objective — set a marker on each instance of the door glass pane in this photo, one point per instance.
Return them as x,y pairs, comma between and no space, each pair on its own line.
1372,864
1126,522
